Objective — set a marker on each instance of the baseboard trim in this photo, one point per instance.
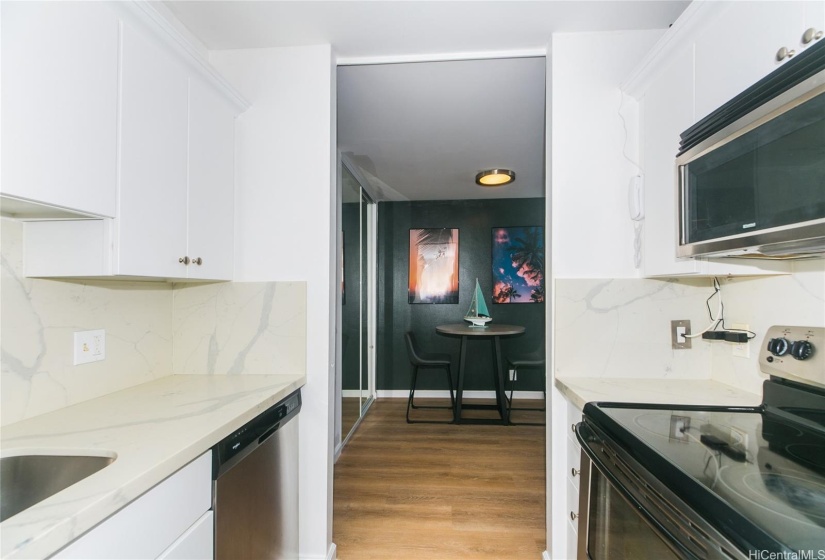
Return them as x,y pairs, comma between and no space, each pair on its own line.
333,551
403,394
545,555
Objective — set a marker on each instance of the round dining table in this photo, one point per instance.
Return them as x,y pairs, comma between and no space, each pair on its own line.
492,332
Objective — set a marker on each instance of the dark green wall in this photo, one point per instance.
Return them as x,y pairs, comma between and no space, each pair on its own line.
475,220
350,320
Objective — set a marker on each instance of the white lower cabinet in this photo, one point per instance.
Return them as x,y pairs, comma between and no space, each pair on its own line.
197,543
172,520
566,457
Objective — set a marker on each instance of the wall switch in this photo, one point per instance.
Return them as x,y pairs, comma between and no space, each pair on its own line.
740,350
678,330
89,346
512,375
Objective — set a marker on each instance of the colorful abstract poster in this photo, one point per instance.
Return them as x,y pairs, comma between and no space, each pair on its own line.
433,266
518,264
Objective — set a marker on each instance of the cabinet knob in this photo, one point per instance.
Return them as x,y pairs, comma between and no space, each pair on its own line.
198,261
573,516
574,471
811,34
573,428
184,260
784,53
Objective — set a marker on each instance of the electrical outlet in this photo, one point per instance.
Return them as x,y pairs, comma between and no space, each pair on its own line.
678,330
89,346
740,350
513,375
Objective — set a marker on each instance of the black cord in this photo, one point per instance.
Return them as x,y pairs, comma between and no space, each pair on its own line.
721,320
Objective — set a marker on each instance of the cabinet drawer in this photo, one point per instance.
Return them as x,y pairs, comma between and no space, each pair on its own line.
574,459
197,543
572,505
574,416
150,524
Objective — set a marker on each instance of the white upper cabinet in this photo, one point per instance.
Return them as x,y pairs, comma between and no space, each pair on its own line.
739,47
58,106
714,52
151,223
172,157
210,242
666,110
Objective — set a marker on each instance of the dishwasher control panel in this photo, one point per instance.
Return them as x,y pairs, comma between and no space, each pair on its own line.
246,439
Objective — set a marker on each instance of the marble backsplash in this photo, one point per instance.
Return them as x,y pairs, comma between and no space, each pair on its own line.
795,299
153,329
231,328
37,322
621,328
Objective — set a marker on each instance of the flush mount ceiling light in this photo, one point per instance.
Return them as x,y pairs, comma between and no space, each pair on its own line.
495,177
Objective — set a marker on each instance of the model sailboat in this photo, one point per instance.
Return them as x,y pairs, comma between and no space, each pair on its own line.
478,315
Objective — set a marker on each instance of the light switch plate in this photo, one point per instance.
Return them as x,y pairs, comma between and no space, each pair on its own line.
89,346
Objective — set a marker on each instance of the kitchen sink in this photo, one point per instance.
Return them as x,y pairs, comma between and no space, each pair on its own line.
28,479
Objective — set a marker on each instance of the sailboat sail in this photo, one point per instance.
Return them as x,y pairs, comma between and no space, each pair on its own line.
478,315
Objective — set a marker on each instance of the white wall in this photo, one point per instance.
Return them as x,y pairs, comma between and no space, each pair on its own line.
593,237
284,227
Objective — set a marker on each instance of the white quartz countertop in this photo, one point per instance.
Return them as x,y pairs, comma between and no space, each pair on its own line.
581,390
154,429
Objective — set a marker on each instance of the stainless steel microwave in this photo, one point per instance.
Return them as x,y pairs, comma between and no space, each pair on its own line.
755,186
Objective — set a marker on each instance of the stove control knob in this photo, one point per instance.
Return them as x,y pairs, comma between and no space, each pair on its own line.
802,349
778,346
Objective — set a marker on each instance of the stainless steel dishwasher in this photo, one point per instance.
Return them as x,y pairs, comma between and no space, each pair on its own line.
255,472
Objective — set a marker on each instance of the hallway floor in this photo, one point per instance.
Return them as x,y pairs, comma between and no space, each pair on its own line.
439,491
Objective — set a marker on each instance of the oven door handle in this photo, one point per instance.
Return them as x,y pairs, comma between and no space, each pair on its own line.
590,458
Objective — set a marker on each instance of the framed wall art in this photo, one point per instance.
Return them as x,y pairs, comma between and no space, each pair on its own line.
518,264
433,266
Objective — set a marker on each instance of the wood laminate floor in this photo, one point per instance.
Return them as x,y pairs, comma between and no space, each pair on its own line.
439,491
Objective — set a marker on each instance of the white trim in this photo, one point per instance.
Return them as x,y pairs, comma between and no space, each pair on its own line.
146,11
333,552
351,393
683,31
545,555
404,393
440,57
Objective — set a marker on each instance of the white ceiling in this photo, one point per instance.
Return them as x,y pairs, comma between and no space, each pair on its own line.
421,131
425,129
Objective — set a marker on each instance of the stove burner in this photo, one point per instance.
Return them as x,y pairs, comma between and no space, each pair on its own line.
805,496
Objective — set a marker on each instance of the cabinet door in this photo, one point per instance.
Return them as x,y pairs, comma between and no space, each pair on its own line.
151,226
59,104
147,527
739,47
197,543
667,110
211,183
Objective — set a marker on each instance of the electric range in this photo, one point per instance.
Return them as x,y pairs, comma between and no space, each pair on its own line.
709,481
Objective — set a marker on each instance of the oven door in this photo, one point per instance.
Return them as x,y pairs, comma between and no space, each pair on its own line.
611,526
625,512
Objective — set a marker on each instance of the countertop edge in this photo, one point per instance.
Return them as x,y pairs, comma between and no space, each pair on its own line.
218,406
581,390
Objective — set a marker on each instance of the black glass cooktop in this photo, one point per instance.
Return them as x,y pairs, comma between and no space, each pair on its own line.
766,468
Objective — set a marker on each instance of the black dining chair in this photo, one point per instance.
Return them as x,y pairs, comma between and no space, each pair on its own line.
420,359
534,361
